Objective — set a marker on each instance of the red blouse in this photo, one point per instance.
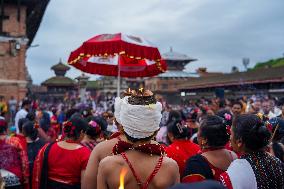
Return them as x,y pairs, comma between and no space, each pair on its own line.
181,151
65,166
215,170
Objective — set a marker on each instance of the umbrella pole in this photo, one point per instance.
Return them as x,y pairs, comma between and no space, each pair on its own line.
118,80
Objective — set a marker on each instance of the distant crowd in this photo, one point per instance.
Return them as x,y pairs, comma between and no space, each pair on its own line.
208,143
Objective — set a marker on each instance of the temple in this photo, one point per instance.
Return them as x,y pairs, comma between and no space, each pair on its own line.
59,85
166,83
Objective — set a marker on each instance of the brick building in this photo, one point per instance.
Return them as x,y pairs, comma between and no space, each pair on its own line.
19,22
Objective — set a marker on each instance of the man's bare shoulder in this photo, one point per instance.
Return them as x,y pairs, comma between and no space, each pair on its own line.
106,144
111,161
169,163
104,148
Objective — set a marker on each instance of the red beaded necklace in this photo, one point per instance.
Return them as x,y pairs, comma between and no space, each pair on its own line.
152,149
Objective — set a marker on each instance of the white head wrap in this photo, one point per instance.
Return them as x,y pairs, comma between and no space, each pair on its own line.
140,121
117,108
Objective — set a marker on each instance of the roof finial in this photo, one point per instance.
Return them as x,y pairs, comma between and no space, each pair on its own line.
60,60
171,49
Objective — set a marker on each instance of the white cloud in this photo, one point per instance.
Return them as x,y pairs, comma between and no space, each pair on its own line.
219,33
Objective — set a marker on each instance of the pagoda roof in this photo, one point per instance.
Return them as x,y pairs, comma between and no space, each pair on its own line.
172,74
35,12
59,81
257,76
60,66
175,56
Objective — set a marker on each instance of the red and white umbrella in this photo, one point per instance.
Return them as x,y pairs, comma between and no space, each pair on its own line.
118,55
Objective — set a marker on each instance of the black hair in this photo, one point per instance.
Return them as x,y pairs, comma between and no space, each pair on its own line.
252,131
214,129
236,102
45,121
178,130
101,121
174,115
26,102
3,126
31,116
30,131
74,127
226,115
93,132
86,112
21,122
70,112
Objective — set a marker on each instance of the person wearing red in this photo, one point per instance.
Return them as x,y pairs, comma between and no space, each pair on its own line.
256,168
142,158
92,135
102,150
214,159
62,164
10,161
54,123
181,148
19,141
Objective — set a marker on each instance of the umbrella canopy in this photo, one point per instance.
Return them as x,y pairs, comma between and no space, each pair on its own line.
118,55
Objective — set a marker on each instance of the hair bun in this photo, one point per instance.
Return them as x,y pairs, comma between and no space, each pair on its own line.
260,133
178,129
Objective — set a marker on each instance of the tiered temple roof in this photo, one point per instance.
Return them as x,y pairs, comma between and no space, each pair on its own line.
60,80
176,63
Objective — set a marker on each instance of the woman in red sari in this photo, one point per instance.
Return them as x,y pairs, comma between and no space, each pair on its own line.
19,141
214,159
62,164
10,161
181,148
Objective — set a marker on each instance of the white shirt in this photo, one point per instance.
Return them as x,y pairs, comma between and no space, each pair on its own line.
20,114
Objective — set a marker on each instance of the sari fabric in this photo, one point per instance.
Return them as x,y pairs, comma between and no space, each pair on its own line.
56,167
10,163
257,170
181,151
19,141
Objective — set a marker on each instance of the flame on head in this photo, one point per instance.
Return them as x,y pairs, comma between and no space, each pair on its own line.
121,177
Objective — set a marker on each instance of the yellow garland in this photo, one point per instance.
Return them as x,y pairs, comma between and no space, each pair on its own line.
82,55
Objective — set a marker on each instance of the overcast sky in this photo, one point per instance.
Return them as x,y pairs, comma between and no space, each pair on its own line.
219,33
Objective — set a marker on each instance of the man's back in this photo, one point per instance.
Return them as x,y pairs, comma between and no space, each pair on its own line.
143,165
101,151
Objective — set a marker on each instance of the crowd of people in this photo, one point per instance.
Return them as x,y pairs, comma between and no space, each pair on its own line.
209,143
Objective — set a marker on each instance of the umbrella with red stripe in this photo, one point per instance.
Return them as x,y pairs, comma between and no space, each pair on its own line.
118,55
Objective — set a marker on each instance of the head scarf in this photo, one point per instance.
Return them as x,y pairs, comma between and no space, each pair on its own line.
139,121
